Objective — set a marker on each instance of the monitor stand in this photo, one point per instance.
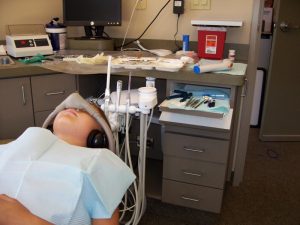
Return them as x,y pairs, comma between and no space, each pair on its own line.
94,40
94,32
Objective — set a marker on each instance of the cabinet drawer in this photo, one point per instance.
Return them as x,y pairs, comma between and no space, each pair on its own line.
194,172
48,91
193,147
193,196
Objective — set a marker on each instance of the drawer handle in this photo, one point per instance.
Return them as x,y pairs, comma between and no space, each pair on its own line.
193,174
190,199
194,150
23,95
55,93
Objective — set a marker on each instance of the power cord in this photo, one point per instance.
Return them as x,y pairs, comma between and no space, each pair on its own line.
130,42
178,47
107,35
131,16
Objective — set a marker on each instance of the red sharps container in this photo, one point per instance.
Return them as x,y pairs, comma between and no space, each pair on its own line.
211,42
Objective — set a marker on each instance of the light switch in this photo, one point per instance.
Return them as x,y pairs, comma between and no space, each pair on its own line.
200,4
142,4
195,2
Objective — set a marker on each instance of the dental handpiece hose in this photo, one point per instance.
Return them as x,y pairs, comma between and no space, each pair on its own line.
117,104
119,89
129,89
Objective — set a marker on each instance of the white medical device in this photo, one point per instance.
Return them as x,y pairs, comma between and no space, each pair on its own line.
28,45
117,109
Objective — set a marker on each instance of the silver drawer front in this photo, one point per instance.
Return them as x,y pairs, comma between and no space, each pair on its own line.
193,196
194,172
213,150
48,91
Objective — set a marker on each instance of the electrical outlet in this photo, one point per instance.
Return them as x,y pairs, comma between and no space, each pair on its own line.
200,4
142,4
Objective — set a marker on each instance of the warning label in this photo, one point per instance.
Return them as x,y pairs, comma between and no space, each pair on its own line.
211,42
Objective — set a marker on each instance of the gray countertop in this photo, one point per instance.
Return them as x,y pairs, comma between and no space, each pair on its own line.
57,66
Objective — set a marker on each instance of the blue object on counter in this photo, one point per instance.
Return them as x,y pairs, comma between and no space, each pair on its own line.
57,34
186,42
197,69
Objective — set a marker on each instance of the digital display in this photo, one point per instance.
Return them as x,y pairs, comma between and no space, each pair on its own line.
24,43
41,42
28,43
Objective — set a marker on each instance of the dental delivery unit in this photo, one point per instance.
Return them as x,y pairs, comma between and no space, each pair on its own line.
118,108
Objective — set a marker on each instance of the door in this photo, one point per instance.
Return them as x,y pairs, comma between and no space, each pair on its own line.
16,112
281,112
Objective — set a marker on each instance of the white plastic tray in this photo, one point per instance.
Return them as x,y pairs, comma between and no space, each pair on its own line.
148,63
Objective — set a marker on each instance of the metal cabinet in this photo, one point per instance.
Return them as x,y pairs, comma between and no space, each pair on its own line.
195,160
16,112
48,91
194,168
27,101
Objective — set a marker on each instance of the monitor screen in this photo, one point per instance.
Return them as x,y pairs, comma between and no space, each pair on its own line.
96,13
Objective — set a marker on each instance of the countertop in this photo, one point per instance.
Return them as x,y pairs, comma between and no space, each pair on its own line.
58,66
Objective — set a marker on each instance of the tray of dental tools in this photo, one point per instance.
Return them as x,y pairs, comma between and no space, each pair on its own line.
197,103
147,63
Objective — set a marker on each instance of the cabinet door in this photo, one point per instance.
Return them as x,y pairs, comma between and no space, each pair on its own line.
16,112
49,91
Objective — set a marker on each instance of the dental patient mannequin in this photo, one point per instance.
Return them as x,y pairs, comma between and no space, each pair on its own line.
72,126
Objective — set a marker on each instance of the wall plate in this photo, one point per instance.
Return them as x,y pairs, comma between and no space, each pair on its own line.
200,4
142,4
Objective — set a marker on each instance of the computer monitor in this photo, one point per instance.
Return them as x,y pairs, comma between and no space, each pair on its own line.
94,15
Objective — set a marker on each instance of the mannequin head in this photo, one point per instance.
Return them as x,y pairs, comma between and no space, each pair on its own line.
74,126
97,139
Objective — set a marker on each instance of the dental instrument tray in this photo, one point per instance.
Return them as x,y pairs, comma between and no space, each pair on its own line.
196,100
148,63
